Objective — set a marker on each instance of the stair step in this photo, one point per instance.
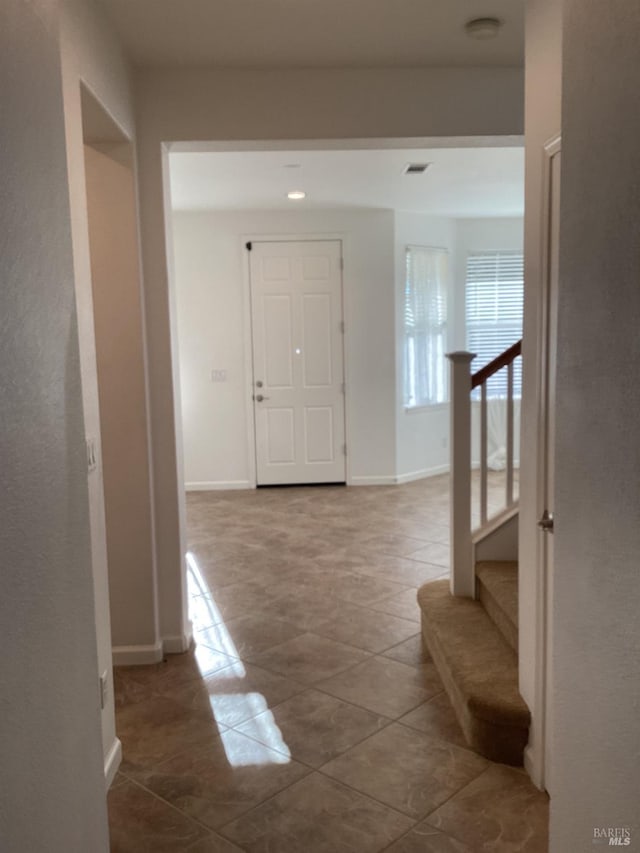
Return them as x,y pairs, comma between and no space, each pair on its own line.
479,671
498,593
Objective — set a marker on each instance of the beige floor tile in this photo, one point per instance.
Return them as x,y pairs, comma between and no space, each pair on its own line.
367,629
500,810
309,658
385,686
297,579
433,553
411,651
235,694
406,770
437,719
227,778
426,839
246,635
141,823
315,727
158,728
404,605
317,815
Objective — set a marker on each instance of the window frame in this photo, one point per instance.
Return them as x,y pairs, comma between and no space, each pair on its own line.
497,385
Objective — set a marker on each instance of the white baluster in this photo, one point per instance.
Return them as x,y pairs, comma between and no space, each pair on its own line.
510,448
484,452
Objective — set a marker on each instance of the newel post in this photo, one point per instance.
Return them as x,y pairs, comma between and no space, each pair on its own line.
462,568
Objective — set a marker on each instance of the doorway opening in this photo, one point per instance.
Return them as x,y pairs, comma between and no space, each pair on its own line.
469,199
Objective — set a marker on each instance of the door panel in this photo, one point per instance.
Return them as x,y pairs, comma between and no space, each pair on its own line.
277,352
296,313
316,337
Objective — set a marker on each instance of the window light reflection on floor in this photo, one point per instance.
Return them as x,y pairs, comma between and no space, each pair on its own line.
265,745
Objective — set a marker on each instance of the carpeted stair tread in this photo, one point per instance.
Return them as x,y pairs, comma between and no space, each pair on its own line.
498,593
479,671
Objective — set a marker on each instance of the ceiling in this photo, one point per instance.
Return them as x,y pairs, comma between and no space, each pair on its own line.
316,33
461,182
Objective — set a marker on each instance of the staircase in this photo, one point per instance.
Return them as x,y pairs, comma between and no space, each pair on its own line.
470,625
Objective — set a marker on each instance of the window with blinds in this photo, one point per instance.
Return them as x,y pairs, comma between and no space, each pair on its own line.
494,307
425,326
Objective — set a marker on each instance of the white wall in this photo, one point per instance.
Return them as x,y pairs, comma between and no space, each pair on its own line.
422,434
210,271
596,651
51,772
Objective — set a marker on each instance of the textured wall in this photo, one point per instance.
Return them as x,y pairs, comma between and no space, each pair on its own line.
51,772
597,541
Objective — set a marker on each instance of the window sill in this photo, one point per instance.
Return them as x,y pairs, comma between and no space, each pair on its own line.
420,410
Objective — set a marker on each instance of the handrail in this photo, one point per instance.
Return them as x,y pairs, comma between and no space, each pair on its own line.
497,364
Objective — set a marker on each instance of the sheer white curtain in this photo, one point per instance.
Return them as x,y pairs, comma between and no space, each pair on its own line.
425,326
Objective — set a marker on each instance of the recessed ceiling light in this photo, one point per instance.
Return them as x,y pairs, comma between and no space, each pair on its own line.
292,165
483,28
296,195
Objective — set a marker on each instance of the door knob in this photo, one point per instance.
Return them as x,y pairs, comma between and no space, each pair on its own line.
259,398
546,522
259,383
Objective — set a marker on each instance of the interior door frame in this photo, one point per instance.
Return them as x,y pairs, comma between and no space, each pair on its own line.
552,148
313,237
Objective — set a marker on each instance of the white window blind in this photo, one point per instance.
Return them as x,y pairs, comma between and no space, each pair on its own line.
494,306
425,326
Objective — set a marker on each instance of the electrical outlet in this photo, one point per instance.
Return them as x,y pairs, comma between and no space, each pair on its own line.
218,375
104,689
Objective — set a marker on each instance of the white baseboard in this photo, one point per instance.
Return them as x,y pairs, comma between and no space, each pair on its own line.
112,762
399,479
532,766
217,485
136,655
422,474
380,480
178,644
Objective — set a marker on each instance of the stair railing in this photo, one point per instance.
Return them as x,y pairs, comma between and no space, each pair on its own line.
463,383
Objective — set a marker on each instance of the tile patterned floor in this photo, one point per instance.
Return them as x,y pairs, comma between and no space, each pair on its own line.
308,718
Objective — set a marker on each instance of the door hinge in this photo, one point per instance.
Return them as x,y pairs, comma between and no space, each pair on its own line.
342,264
343,387
342,326
344,449
248,246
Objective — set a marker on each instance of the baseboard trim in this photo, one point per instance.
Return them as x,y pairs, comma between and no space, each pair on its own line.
178,644
112,762
399,479
422,474
381,480
218,485
136,655
532,766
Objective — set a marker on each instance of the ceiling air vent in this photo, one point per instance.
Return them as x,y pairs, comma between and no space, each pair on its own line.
415,168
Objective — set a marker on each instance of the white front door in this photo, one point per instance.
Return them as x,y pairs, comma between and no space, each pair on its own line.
298,374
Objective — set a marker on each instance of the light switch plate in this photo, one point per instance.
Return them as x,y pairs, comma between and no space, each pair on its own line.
218,375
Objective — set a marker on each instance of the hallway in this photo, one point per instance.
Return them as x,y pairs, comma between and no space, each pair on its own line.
307,717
